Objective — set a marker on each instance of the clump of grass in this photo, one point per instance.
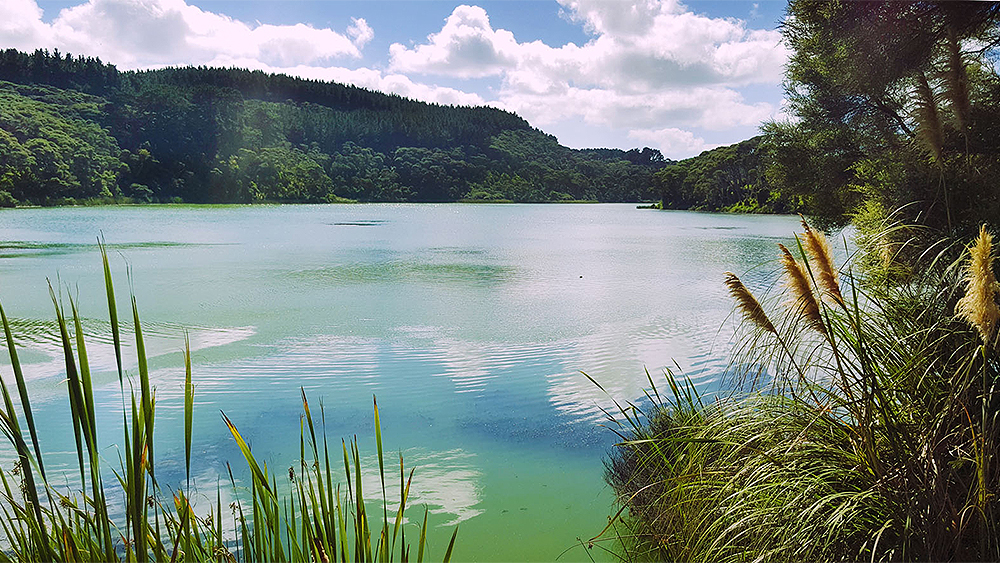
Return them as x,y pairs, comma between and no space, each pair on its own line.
44,518
873,436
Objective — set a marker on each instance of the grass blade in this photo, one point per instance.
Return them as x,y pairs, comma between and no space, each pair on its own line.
188,408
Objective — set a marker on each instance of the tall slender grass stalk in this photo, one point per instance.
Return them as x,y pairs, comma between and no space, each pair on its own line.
47,518
885,450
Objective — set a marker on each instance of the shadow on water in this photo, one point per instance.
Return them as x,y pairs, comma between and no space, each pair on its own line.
20,249
414,271
534,424
364,223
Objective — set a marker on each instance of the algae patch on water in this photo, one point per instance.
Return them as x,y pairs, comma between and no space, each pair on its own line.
21,249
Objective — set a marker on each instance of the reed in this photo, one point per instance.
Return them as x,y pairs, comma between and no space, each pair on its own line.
45,518
821,257
876,441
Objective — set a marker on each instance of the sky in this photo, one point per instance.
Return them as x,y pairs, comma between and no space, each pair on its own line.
679,77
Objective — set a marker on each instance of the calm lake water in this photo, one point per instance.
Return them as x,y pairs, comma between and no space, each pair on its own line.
470,323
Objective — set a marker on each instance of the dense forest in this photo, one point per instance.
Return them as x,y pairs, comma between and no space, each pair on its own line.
77,129
731,178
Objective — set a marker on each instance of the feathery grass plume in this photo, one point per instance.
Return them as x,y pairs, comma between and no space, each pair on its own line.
956,81
930,129
747,303
822,257
798,281
979,307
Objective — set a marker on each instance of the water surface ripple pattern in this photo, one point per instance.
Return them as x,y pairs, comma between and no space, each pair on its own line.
470,323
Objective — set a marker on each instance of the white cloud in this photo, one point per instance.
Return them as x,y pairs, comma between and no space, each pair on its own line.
707,108
21,24
144,33
467,46
643,45
672,142
360,32
611,17
649,62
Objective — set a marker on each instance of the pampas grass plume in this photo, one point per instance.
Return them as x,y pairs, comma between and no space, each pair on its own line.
747,303
979,306
798,281
822,257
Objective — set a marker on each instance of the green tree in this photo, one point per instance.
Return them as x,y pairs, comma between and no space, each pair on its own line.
896,104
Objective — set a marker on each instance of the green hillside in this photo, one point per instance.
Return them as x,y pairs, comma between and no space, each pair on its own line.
74,128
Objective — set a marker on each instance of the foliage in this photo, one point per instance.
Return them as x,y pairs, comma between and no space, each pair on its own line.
724,179
863,427
50,147
896,104
45,518
76,127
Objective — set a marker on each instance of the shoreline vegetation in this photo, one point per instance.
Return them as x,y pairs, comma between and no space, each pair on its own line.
862,420
125,202
320,515
862,425
75,128
76,131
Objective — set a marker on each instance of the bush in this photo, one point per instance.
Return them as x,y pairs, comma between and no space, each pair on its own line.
866,428
7,200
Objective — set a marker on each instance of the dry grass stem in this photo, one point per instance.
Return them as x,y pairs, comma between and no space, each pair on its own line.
798,282
822,257
979,306
747,303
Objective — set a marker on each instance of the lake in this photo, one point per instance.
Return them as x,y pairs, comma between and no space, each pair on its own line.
470,323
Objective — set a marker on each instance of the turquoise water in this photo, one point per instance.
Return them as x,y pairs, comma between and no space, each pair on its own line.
470,323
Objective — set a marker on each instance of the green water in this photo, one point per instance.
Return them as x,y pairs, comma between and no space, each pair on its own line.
471,324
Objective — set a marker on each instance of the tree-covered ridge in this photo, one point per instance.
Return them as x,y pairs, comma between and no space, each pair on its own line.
728,178
74,127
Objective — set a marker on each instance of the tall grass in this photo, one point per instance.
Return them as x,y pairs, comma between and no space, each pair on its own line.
865,429
322,518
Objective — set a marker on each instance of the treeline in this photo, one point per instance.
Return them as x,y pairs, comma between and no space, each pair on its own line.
731,178
74,128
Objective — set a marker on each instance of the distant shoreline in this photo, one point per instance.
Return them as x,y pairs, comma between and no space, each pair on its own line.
93,203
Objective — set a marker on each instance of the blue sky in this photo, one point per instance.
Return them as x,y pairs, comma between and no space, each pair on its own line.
678,76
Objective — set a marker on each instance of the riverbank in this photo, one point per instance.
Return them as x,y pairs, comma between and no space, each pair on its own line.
96,202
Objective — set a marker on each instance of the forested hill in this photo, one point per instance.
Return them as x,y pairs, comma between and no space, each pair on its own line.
730,178
74,128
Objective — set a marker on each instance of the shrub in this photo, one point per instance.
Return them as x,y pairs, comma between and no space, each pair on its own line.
865,427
